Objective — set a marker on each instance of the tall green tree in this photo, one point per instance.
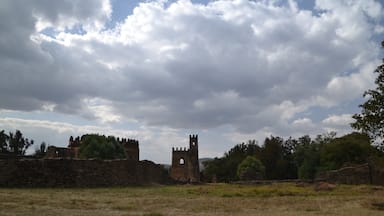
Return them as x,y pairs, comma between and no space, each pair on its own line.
250,169
307,157
371,118
272,157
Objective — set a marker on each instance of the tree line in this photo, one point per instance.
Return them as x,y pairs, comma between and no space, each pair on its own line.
292,158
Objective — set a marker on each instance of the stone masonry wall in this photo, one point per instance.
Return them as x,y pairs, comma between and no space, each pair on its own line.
78,173
360,174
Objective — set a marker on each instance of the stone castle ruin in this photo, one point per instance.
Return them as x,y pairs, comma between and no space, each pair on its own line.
62,167
131,148
185,162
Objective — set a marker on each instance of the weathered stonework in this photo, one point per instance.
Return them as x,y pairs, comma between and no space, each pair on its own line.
359,174
79,173
131,148
185,163
62,168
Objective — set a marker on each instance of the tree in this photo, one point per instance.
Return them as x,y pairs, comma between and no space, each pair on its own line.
307,157
289,148
250,169
354,148
18,144
101,147
371,118
4,138
272,156
224,169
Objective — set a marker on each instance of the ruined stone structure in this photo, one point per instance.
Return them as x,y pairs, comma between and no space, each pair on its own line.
62,168
79,173
358,174
185,163
131,147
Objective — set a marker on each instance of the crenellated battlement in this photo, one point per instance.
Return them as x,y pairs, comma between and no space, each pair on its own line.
128,142
179,149
74,142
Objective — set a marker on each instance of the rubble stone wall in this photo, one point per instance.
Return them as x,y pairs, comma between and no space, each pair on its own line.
79,173
360,174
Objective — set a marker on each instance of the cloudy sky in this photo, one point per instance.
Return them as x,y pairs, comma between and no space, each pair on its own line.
160,70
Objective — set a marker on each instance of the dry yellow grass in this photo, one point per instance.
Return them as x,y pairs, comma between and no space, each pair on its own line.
212,199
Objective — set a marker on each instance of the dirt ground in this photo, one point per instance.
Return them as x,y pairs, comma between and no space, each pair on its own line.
210,199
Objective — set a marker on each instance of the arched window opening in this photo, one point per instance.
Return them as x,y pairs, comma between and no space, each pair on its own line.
181,161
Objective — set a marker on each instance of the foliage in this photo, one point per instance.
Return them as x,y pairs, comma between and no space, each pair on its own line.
295,158
273,156
101,147
14,143
353,148
4,138
225,169
250,169
307,154
371,119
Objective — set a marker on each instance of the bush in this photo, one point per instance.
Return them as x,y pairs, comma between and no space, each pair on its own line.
101,147
250,169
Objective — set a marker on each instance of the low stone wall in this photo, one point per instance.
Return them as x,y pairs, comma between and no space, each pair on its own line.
79,173
360,174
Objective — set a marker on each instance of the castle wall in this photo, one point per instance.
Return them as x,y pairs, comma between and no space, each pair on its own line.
188,170
78,173
180,172
131,148
359,174
59,152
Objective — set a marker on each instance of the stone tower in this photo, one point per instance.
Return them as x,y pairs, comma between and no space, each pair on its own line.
185,162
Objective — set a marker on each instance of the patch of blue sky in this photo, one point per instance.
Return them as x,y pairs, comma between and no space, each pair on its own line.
76,29
121,9
50,31
306,4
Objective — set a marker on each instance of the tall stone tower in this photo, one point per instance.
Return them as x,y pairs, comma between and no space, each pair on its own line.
185,162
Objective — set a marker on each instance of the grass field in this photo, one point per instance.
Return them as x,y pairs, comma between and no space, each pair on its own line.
212,199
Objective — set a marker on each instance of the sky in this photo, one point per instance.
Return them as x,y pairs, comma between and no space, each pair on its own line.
157,71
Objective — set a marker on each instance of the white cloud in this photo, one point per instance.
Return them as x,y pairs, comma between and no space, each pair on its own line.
89,15
338,120
253,66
